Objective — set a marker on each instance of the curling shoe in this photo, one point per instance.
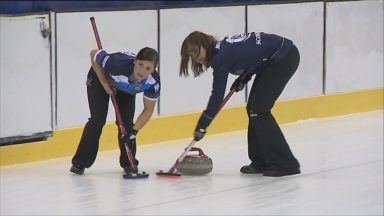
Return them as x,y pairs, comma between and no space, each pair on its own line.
279,173
78,169
129,170
250,169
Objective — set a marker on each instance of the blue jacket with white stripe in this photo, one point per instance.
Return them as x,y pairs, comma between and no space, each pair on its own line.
119,67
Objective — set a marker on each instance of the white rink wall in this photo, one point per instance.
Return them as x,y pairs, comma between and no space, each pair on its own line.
354,46
25,77
342,51
303,24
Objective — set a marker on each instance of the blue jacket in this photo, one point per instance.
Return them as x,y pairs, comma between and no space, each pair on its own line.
119,67
251,52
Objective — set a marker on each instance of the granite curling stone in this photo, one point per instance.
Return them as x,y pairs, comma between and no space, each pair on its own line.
199,164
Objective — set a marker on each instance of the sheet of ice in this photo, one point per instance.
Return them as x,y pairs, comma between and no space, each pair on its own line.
342,174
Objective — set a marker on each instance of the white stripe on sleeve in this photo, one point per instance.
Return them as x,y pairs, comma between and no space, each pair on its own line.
97,53
151,99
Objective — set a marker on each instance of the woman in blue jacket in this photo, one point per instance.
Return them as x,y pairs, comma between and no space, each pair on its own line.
274,59
129,74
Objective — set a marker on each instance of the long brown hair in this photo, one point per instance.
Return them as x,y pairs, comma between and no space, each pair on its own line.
198,39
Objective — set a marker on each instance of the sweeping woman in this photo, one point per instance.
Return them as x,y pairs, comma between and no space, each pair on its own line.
274,60
129,74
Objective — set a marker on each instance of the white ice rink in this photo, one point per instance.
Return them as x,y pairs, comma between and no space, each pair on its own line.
342,174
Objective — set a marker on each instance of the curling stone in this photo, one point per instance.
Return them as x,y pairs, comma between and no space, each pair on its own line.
199,164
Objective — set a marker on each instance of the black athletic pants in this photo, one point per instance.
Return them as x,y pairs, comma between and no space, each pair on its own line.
98,101
267,147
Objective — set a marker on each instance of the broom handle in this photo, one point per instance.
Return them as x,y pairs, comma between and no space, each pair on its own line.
181,158
114,102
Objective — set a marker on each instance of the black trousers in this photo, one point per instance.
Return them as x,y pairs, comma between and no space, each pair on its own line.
267,146
98,101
